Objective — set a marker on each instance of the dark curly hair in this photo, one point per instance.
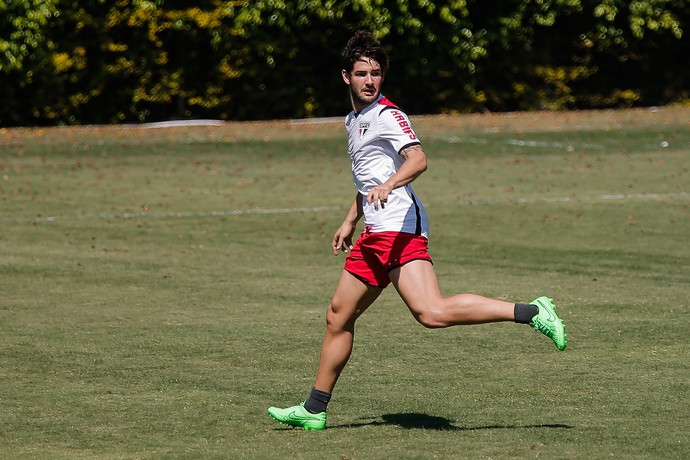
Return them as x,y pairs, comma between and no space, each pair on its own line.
363,45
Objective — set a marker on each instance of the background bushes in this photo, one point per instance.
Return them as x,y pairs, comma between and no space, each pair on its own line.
94,61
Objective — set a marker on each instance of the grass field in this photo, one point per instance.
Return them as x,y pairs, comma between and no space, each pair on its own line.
162,287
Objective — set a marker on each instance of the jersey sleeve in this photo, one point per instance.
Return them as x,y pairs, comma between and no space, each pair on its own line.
395,127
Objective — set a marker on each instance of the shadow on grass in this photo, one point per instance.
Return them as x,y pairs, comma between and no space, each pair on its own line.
431,422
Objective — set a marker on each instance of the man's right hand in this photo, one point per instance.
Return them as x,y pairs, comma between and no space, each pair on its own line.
342,240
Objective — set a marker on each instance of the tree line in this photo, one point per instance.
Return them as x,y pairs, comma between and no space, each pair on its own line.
107,62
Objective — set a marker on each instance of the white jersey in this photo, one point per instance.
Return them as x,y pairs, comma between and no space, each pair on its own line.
376,136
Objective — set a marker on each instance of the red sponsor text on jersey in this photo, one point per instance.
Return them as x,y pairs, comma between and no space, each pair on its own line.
404,125
400,118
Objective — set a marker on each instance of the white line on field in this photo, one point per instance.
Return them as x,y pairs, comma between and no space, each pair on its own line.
274,211
172,214
566,199
178,123
554,144
527,143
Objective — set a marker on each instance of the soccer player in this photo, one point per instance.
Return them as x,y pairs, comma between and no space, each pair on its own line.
387,156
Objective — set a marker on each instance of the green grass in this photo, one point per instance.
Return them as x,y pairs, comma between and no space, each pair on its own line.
161,288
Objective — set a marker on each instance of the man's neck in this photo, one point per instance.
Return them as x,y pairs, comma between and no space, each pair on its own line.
360,106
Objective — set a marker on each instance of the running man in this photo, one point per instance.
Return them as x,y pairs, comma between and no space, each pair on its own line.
387,156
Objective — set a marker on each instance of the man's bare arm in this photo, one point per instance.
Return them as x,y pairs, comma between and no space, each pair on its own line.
415,164
342,239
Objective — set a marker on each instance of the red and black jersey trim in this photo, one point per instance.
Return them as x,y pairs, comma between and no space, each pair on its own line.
387,102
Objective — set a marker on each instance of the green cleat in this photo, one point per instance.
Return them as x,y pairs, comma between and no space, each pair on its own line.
547,321
299,416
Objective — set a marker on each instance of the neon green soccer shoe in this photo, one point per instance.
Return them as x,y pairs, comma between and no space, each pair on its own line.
548,323
299,416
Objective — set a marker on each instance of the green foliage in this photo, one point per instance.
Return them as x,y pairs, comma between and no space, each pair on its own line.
25,47
127,61
22,30
571,54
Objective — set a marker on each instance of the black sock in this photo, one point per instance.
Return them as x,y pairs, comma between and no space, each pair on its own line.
525,312
317,401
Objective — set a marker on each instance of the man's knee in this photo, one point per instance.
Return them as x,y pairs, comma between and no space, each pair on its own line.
431,318
337,317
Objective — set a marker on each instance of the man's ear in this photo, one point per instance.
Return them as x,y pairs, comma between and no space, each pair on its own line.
346,76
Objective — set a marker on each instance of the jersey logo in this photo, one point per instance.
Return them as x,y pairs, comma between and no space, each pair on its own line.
363,128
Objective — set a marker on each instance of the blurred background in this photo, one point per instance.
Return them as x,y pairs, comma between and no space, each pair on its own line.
109,62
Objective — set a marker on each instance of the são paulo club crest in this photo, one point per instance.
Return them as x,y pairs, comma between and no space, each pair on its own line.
363,128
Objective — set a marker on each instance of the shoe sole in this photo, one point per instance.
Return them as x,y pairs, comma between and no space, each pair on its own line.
306,427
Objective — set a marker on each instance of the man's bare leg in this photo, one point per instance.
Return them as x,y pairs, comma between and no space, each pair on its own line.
351,298
417,285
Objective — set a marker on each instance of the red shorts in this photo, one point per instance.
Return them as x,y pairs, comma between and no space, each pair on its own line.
376,254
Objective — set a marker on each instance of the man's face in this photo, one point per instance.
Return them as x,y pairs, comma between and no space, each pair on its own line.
364,82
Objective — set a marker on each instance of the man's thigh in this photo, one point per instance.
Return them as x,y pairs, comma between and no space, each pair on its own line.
417,284
353,296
